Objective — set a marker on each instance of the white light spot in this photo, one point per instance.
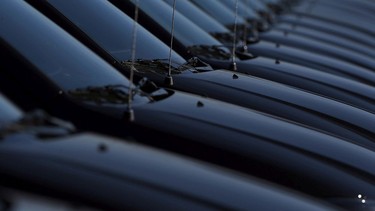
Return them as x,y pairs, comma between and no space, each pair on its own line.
359,196
363,201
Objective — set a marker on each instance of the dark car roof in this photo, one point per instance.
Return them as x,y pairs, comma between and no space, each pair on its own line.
334,84
224,134
106,173
246,91
59,56
85,161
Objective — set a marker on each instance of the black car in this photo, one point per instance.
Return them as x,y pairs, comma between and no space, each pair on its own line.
46,164
191,40
60,75
282,38
111,42
319,54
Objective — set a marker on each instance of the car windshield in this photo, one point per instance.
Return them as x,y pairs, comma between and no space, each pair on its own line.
245,8
185,31
198,16
58,56
219,11
256,5
8,112
112,30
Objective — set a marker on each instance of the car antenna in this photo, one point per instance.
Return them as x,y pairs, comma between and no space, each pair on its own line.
245,28
130,110
234,65
168,79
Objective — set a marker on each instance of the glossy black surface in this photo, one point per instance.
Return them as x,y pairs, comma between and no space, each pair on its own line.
239,89
112,174
67,167
336,13
315,47
334,86
224,134
326,37
325,49
315,61
332,28
292,29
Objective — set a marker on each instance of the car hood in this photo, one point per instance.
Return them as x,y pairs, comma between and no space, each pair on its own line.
318,47
292,104
330,14
339,30
318,62
263,146
241,131
326,37
321,83
74,164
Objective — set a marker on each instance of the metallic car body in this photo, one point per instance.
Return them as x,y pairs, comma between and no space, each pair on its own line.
316,81
247,91
89,170
295,57
224,134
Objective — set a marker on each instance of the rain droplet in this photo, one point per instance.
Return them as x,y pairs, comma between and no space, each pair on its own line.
200,104
277,61
61,92
102,147
235,76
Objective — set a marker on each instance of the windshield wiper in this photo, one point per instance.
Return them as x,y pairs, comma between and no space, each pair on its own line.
252,36
119,94
220,52
161,66
38,123
210,51
112,94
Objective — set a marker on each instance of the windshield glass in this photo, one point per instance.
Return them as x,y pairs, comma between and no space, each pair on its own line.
113,30
55,53
244,8
219,11
185,31
198,16
256,4
8,112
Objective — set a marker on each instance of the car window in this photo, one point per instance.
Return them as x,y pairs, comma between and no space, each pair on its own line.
113,30
219,11
245,8
198,16
60,57
8,112
188,33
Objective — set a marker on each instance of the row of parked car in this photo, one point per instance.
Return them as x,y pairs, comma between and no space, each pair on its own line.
257,105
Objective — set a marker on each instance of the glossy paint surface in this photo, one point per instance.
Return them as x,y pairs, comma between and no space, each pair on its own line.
238,138
254,93
121,169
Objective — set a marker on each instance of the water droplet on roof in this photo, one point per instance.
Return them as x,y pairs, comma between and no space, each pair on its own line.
102,147
200,104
